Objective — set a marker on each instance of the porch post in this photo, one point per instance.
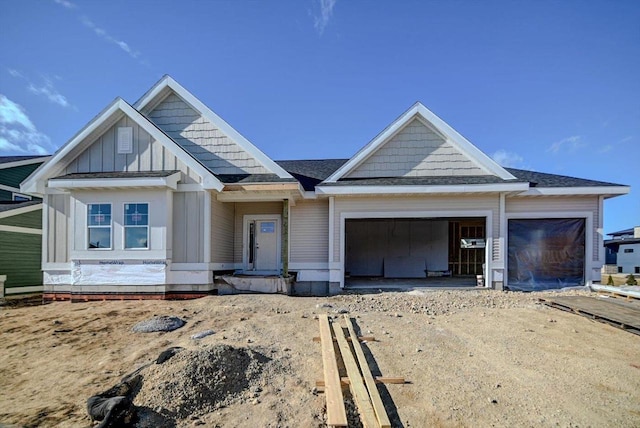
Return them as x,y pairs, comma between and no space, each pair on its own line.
285,238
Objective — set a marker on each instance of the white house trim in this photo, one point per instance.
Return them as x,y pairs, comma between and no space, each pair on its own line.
17,229
9,188
23,162
427,117
588,245
22,210
487,214
406,189
575,191
228,130
36,182
170,181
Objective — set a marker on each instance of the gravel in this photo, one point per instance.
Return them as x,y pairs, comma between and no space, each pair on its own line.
161,323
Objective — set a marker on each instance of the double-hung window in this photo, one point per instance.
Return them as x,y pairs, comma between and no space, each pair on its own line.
136,226
99,226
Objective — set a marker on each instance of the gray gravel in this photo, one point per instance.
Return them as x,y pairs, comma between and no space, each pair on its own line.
161,323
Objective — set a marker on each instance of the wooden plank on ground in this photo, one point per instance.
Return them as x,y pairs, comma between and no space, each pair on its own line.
379,379
336,414
378,406
625,315
358,390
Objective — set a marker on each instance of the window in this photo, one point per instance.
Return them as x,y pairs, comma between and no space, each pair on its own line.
619,269
99,225
637,269
628,250
136,226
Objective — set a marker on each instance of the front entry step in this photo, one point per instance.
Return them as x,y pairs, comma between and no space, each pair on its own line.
273,284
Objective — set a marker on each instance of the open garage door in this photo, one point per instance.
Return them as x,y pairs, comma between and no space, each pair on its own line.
546,253
414,247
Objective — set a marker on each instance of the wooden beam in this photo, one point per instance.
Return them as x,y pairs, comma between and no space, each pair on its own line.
378,406
358,390
336,414
379,379
360,338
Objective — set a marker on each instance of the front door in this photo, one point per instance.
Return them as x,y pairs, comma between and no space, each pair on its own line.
263,244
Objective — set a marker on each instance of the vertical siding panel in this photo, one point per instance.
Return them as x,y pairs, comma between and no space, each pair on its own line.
51,229
120,159
309,227
179,228
60,229
144,145
95,156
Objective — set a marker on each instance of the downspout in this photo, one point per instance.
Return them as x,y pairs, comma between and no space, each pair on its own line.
285,238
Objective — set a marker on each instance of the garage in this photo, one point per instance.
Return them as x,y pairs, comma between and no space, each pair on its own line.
545,254
435,250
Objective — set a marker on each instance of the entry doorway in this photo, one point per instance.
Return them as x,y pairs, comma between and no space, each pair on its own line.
262,240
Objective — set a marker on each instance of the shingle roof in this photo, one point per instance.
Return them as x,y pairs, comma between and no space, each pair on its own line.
252,178
98,175
541,179
311,172
8,159
422,181
12,205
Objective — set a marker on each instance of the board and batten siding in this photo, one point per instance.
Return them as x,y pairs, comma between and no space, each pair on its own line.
188,227
58,214
222,231
147,155
459,204
203,139
416,151
309,232
559,204
246,208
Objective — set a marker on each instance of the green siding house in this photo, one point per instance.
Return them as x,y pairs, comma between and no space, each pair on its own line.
20,228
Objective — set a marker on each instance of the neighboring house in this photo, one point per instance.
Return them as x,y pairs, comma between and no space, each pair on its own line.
623,250
158,198
20,227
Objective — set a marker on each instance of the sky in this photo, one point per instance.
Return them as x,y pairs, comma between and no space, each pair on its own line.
550,86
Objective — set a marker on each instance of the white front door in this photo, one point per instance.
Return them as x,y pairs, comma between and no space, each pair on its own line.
262,243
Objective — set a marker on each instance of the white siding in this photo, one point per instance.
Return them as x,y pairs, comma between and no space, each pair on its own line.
222,231
416,151
58,213
416,204
244,208
202,139
148,155
559,204
188,227
309,232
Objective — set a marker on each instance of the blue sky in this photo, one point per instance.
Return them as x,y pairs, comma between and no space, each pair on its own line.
551,86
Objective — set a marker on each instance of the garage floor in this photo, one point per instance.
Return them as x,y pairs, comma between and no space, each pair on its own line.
439,283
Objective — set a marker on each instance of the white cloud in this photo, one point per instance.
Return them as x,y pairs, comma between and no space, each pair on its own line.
570,144
106,36
610,146
65,3
508,159
47,89
326,11
18,135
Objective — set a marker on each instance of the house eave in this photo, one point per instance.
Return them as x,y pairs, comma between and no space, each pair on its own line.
170,182
607,191
421,190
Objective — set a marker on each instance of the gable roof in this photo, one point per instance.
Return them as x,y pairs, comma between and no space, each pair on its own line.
427,117
166,84
35,183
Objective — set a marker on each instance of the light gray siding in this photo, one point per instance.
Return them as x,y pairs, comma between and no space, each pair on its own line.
458,204
416,151
568,204
202,139
245,208
58,213
222,231
188,227
148,155
309,232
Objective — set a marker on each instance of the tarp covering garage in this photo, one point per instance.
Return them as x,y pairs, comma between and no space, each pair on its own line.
546,253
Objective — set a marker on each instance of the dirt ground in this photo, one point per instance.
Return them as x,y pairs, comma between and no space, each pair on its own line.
472,358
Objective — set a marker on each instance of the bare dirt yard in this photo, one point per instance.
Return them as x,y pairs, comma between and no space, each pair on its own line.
472,358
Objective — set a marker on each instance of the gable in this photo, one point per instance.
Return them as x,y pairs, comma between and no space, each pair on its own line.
147,154
202,139
13,176
416,151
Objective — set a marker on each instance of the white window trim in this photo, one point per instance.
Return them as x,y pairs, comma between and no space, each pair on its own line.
86,241
124,228
21,195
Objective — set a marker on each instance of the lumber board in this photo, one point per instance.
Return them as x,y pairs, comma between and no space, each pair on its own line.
624,315
378,379
360,338
356,384
336,414
376,400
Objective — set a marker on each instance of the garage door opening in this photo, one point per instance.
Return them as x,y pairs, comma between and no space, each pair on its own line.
414,251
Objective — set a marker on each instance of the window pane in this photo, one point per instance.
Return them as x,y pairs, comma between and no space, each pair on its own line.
135,237
136,214
99,214
99,237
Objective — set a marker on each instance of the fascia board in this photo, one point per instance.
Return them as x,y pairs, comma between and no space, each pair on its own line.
576,191
106,183
22,210
35,183
220,123
9,188
15,164
390,190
